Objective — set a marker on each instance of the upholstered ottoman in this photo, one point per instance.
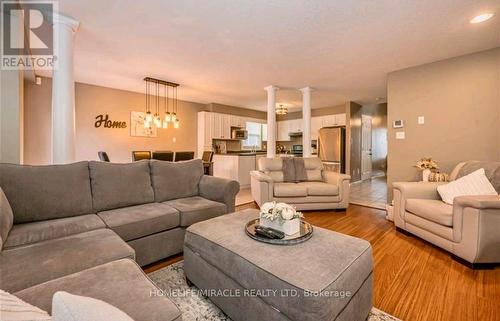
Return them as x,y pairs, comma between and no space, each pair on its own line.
329,277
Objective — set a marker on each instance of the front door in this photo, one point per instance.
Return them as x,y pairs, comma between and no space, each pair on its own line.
366,147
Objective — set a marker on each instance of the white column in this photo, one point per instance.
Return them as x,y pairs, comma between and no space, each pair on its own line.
306,118
271,120
63,91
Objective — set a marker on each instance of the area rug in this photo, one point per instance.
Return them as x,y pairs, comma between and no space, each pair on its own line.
196,307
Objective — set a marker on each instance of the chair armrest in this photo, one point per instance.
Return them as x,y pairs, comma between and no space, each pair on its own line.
261,177
219,190
479,201
335,178
419,190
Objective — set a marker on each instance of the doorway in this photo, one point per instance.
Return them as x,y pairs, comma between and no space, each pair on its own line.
371,189
366,147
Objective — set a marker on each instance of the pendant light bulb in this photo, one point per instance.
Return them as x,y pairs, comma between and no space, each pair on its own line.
157,120
168,117
149,117
174,117
176,123
147,124
165,124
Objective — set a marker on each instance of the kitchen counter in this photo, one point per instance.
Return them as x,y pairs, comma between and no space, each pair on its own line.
236,166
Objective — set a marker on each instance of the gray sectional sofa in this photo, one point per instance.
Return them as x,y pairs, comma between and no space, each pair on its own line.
78,227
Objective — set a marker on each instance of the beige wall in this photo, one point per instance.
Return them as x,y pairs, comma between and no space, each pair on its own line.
90,102
11,116
460,99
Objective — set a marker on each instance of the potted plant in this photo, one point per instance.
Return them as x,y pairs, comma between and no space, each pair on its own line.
426,165
280,216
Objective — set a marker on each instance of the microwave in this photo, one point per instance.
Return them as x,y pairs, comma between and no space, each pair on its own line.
238,133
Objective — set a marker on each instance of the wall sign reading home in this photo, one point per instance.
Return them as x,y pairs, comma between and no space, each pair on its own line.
104,121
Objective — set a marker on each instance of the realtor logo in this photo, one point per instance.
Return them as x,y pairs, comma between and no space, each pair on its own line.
27,35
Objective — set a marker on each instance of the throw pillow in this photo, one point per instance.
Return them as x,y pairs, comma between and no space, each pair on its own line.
14,309
69,307
476,183
6,218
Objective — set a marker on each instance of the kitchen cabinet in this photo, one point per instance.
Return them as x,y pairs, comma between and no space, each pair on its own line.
283,128
340,120
237,121
316,124
295,125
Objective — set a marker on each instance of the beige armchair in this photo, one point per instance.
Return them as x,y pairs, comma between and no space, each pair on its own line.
321,190
468,229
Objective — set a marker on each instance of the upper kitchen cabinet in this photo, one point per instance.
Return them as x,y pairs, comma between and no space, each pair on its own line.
340,120
221,125
283,131
316,124
295,125
237,121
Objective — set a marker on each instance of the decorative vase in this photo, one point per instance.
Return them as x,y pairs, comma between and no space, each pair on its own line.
289,227
425,175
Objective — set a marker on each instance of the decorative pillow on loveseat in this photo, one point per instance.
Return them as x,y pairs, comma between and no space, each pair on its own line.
475,183
69,307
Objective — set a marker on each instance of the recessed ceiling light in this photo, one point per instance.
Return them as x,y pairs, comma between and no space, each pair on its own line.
482,18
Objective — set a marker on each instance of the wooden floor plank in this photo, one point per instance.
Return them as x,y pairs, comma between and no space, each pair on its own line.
413,280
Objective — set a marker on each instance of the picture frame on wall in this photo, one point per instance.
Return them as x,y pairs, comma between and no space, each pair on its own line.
137,128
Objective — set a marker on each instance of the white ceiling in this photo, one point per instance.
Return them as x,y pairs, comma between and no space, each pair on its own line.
227,51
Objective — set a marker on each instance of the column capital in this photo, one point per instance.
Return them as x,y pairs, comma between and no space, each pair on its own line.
271,88
306,89
59,19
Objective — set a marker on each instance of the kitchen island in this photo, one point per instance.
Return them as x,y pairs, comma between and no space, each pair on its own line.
237,165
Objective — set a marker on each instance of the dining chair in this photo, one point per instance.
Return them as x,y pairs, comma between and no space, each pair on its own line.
137,155
183,156
163,155
207,162
103,156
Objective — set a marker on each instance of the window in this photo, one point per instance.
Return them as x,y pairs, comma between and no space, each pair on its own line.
254,138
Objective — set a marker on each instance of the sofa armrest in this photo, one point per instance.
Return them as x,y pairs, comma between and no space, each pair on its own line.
261,177
419,190
479,202
219,190
406,190
476,220
335,178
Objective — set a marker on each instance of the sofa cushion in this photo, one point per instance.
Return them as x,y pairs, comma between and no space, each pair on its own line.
14,309
175,180
120,283
140,220
433,210
28,233
196,209
492,171
289,190
273,167
38,193
320,189
6,218
25,266
70,307
119,185
314,168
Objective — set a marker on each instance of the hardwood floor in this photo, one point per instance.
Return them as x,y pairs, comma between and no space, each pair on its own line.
414,280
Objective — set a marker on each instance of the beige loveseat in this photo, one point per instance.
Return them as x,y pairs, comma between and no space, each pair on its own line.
318,190
469,228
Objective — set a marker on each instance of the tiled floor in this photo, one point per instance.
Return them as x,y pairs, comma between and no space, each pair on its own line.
370,193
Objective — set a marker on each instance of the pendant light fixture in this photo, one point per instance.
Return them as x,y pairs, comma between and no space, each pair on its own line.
154,100
281,109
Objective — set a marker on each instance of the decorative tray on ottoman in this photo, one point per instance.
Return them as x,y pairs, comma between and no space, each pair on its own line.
305,233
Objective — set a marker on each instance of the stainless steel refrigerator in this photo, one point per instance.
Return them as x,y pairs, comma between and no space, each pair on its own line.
331,148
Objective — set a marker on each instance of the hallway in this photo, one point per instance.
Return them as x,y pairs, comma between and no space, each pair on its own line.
370,193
